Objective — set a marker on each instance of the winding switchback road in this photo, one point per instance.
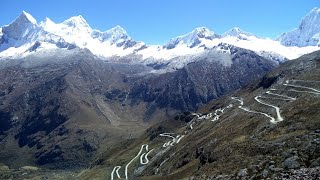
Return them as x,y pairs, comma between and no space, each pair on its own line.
283,96
145,156
116,169
279,118
304,87
272,119
126,168
175,140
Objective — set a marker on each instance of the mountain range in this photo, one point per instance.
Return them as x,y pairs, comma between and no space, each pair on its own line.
24,36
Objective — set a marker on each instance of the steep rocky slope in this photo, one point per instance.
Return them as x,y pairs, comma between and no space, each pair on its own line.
60,108
269,129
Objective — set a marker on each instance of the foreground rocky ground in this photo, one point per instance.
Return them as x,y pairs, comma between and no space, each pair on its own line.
303,173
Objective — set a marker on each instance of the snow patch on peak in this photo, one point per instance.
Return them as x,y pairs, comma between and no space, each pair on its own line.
27,17
117,31
47,20
76,21
315,10
238,33
46,23
113,35
192,39
202,32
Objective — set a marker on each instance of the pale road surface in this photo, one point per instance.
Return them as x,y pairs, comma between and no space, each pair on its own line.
272,119
145,156
298,86
287,97
279,118
126,168
115,169
279,97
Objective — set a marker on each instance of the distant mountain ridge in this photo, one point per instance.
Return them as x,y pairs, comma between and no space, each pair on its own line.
25,33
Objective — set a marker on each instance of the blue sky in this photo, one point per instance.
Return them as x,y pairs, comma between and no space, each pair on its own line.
156,21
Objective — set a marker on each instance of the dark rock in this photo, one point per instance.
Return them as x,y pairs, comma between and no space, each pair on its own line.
90,146
265,173
266,82
153,133
291,162
289,153
315,162
185,116
199,151
5,122
271,167
253,169
158,66
36,45
49,156
272,162
262,164
243,173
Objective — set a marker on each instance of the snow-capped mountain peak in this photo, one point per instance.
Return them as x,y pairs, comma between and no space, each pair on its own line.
308,32
313,18
116,33
19,25
71,26
47,23
22,30
74,30
192,39
313,13
26,17
202,32
238,33
117,30
25,33
76,21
